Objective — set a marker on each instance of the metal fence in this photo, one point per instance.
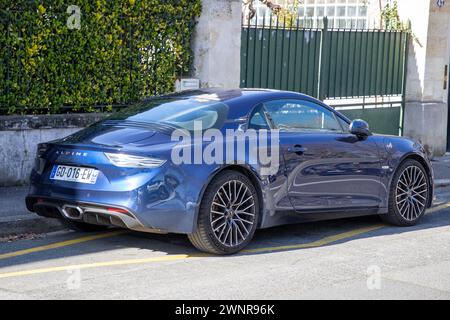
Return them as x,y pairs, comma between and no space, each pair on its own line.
361,72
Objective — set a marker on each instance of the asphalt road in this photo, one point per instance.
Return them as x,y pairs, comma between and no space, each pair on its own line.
341,259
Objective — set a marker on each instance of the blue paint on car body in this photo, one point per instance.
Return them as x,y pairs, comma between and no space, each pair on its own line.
331,176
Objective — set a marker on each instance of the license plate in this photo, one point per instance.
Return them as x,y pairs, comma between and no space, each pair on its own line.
74,174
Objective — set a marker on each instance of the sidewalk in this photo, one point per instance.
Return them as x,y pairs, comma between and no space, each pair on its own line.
16,219
441,168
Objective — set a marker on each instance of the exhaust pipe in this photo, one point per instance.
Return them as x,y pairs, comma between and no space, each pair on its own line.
72,212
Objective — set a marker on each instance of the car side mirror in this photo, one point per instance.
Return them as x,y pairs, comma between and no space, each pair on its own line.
360,128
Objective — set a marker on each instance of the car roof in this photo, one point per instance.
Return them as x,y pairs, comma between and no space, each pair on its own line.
241,101
227,95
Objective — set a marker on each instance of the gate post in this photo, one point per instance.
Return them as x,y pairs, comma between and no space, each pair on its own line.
217,44
405,76
322,59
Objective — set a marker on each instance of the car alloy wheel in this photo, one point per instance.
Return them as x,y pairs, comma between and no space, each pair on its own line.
228,214
232,213
411,193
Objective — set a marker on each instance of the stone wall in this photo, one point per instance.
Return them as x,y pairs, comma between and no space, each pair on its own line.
19,136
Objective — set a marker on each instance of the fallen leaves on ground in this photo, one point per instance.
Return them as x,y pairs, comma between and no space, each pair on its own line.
17,237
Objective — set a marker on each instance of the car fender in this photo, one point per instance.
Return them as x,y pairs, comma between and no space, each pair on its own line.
243,168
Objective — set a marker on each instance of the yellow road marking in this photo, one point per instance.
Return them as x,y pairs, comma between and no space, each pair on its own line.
317,243
62,244
335,238
438,208
98,265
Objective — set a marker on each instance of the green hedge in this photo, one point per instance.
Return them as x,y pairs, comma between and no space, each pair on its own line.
123,50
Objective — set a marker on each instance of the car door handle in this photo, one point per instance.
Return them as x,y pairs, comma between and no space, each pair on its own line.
298,149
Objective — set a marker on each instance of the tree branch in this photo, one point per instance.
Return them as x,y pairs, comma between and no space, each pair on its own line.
249,4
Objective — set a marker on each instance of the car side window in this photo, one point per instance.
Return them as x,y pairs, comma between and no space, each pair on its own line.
302,115
258,119
344,124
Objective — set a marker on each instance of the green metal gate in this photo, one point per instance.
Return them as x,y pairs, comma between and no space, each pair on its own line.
360,72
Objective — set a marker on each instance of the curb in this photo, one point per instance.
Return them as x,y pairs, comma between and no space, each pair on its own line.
36,225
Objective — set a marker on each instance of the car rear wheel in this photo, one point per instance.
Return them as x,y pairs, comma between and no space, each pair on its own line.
409,194
228,215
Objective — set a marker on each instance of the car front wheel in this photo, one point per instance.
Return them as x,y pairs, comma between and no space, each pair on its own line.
409,194
228,214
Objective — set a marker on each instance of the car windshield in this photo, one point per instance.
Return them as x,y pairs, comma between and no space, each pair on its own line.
182,113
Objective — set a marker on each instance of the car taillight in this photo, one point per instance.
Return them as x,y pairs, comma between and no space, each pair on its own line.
130,161
39,162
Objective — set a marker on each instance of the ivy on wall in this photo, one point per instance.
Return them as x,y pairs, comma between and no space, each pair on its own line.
55,54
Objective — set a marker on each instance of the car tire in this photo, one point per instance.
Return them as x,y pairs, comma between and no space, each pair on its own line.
228,214
409,194
83,227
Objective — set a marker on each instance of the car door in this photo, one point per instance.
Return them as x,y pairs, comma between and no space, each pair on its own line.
327,168
276,197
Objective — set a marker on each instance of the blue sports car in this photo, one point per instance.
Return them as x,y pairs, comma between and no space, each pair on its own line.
219,164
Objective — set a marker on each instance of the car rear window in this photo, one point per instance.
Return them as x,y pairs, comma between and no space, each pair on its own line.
179,113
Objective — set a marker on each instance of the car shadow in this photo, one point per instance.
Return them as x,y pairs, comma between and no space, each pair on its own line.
291,237
302,235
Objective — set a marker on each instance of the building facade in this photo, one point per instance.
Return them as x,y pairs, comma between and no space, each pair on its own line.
361,14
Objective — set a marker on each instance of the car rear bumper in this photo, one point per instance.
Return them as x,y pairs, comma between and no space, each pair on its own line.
91,213
135,210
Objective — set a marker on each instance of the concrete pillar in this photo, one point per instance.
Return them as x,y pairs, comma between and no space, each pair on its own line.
426,98
217,44
374,13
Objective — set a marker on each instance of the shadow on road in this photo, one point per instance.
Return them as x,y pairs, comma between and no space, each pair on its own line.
179,244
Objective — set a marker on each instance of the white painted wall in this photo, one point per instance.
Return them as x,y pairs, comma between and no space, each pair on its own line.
426,99
18,151
217,44
437,52
419,17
